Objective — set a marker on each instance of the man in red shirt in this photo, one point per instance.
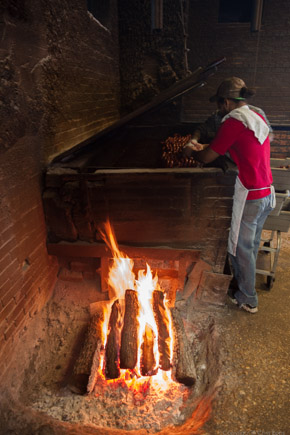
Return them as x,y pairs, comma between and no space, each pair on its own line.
244,134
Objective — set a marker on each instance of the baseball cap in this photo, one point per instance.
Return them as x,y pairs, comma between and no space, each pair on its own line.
229,88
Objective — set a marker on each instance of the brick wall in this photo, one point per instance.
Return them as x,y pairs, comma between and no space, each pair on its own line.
150,60
174,208
27,274
80,75
280,147
59,85
260,58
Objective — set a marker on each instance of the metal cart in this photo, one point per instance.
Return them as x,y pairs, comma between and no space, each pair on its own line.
278,221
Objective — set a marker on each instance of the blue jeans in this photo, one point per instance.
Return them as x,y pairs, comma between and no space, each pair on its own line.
244,263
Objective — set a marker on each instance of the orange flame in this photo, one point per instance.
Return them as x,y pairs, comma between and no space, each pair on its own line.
120,278
145,287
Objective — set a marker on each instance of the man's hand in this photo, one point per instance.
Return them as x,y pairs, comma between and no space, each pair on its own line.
191,146
204,154
196,145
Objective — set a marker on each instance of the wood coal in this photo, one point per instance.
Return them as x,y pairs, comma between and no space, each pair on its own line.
112,369
129,335
125,356
185,371
162,322
118,356
148,360
92,342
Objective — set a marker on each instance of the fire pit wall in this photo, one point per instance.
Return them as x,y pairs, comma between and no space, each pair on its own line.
172,208
187,210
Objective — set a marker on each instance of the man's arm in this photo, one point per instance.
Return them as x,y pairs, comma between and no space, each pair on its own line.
206,131
207,155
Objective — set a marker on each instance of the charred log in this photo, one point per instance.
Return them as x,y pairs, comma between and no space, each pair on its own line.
129,335
82,368
184,371
112,369
162,322
147,352
95,367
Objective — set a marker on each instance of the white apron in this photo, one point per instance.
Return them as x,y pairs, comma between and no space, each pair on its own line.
240,197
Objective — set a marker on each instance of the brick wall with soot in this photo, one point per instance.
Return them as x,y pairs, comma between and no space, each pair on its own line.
280,146
151,60
260,58
59,85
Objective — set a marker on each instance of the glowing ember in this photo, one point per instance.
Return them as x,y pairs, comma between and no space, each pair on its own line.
152,325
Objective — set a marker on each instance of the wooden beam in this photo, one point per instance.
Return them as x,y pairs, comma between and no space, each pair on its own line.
98,250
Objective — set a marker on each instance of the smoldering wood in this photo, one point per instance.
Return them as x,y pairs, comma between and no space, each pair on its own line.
93,335
148,361
112,370
184,366
93,339
129,335
162,322
95,368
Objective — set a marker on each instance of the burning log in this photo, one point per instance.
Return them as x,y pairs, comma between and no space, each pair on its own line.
162,322
185,372
147,352
95,367
112,370
129,336
82,368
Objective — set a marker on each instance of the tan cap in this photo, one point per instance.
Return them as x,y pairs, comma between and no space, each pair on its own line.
229,88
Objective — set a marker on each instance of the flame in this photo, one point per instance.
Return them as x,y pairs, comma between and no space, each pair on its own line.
120,278
146,284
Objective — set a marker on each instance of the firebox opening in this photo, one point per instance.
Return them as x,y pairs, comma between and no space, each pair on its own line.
114,404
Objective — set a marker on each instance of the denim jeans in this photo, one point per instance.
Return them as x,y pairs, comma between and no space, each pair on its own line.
244,263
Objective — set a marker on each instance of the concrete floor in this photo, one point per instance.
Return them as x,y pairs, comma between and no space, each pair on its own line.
255,392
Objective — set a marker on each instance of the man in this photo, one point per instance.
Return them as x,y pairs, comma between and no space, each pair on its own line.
245,135
205,132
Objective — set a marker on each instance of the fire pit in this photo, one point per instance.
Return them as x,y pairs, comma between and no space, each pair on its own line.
124,368
137,332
